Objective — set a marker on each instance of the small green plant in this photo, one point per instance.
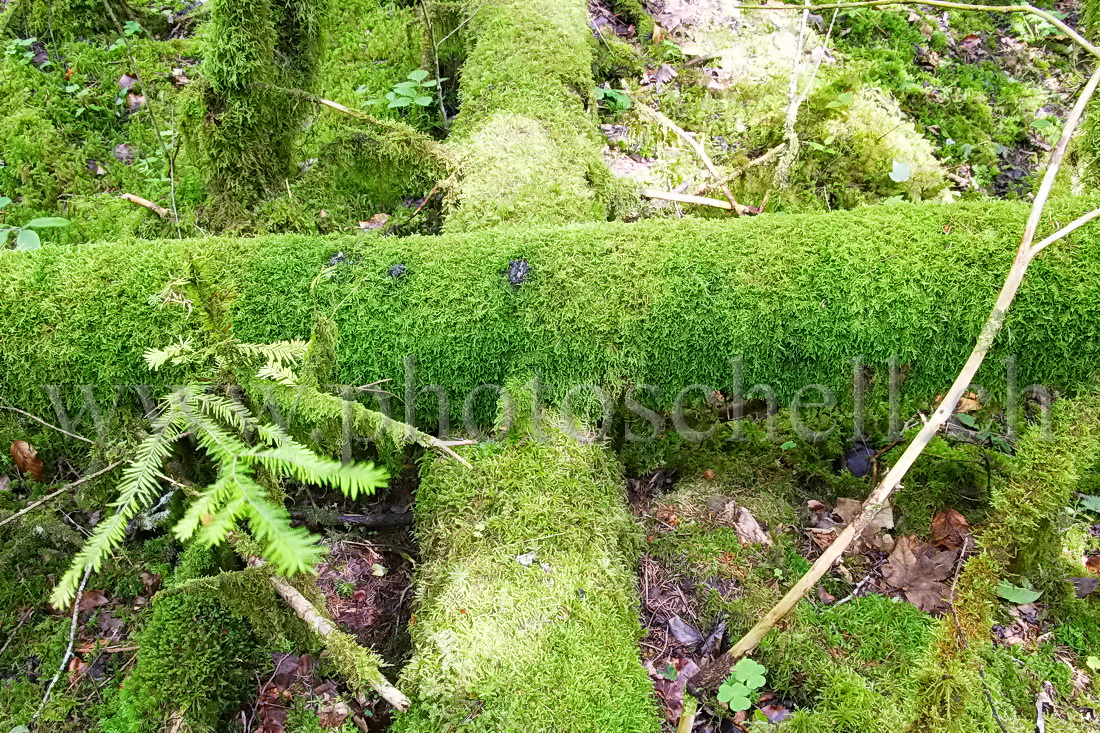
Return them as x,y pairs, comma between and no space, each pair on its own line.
414,91
842,100
988,432
130,29
741,688
825,146
344,588
26,238
1093,663
612,100
20,48
1016,594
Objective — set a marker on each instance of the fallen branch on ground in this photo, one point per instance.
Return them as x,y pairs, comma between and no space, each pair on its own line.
711,675
686,198
324,628
160,211
62,490
739,209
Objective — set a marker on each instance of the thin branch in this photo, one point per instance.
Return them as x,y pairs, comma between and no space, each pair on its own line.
148,106
69,650
737,208
435,59
713,673
1069,32
686,198
1065,231
160,211
22,620
62,490
43,422
794,101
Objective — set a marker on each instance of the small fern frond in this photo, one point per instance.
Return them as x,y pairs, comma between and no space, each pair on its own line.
203,505
281,352
177,353
228,411
352,479
276,372
138,488
224,520
290,549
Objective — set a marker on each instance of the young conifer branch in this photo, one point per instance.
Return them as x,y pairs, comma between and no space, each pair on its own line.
711,675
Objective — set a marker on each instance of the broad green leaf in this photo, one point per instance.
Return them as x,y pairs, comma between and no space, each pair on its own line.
424,101
1090,502
1042,123
900,172
27,239
400,102
735,695
418,75
788,445
1015,594
750,672
967,420
46,222
1093,663
4,201
4,236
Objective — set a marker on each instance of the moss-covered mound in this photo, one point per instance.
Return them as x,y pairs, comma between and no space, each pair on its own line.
526,622
658,303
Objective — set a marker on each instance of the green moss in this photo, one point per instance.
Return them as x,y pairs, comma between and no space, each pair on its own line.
196,658
254,51
660,303
527,140
503,646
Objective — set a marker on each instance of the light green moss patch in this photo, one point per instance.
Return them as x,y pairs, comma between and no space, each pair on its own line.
549,646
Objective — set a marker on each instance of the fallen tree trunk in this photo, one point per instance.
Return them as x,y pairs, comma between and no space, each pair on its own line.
526,615
660,303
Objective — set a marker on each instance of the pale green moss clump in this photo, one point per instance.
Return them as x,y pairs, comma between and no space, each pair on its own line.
527,140
547,644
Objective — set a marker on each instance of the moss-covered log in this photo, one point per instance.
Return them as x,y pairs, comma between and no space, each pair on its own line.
526,618
528,142
659,303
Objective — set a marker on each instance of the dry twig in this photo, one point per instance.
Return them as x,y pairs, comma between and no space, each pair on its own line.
713,673
160,211
62,490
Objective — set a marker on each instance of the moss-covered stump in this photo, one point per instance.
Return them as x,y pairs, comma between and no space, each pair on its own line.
526,617
659,303
529,146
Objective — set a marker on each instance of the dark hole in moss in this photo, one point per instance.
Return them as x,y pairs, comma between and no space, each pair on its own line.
396,271
518,271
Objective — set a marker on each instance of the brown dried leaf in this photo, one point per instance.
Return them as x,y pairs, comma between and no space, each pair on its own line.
918,569
92,599
127,80
1093,564
825,596
333,714
949,530
375,222
27,460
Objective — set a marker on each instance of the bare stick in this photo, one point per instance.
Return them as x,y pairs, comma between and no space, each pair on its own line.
713,673
737,208
22,620
62,490
43,422
1069,32
435,58
160,211
686,198
69,650
783,170
323,627
1065,231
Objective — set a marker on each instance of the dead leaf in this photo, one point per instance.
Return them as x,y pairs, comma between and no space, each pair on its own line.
683,632
333,715
823,538
95,168
127,80
949,530
968,403
134,102
150,582
671,692
77,668
124,153
709,474
917,569
1084,586
92,599
744,523
27,460
179,77
1093,564
375,222
825,596
4,483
